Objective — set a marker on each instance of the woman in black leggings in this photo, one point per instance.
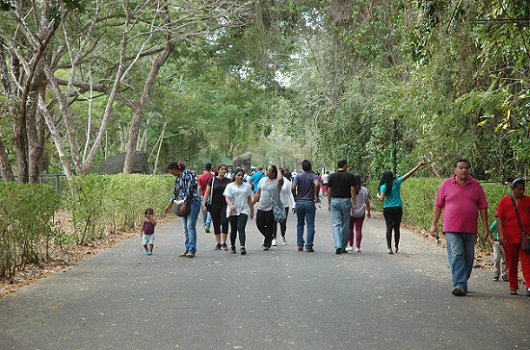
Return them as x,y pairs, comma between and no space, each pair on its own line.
390,193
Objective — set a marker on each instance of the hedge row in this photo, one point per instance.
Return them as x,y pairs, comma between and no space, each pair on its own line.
97,205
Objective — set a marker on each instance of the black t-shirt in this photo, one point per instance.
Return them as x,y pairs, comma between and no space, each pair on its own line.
341,183
218,189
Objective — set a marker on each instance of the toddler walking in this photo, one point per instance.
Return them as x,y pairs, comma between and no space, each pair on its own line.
148,231
499,258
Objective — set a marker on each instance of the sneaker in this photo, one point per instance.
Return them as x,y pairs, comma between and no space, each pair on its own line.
459,292
233,250
338,251
397,250
349,248
183,255
274,242
504,277
207,229
344,251
149,253
243,251
265,247
218,246
300,248
390,251
357,250
190,255
310,250
495,277
513,291
284,242
528,293
224,247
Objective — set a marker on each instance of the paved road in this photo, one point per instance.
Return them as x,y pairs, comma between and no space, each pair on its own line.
280,299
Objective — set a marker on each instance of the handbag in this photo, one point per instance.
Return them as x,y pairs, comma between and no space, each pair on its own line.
277,211
209,201
179,205
525,239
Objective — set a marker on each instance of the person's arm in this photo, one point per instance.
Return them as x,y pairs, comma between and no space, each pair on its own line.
280,178
353,192
328,194
484,216
316,184
437,211
257,196
410,173
251,205
205,198
500,234
368,214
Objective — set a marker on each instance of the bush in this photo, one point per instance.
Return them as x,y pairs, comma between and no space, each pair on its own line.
25,224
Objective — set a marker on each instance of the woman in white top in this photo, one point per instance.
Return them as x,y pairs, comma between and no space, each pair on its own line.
268,190
238,196
357,217
286,195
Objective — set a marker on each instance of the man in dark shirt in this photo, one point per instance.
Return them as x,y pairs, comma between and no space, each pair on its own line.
305,190
341,199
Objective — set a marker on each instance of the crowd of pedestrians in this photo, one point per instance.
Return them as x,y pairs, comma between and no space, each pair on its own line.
230,200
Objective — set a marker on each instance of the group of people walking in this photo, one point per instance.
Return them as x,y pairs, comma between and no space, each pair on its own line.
460,198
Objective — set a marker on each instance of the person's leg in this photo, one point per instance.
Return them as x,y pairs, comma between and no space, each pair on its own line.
336,223
352,224
512,261
457,259
496,260
270,224
241,226
389,221
346,216
359,231
398,215
525,267
191,221
469,253
310,212
260,221
224,225
233,230
186,234
300,223
503,263
283,224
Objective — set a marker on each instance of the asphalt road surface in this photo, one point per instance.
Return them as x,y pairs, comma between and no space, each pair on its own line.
277,299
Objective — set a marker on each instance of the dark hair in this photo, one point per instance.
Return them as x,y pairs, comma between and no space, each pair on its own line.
459,160
208,166
239,170
274,171
357,183
517,182
176,165
287,175
341,163
149,211
216,170
306,165
387,179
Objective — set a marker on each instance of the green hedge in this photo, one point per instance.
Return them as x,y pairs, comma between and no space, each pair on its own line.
98,206
419,194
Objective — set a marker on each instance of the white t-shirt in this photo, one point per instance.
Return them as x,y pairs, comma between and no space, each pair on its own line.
239,197
286,194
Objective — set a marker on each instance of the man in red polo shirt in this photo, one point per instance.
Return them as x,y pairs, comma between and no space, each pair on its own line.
462,199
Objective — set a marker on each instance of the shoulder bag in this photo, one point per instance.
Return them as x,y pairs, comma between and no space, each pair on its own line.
525,239
279,212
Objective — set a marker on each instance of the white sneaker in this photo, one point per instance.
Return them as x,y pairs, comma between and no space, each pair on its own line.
284,241
349,248
357,250
274,242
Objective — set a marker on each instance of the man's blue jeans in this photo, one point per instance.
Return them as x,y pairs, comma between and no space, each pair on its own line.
461,253
189,224
206,217
305,213
340,221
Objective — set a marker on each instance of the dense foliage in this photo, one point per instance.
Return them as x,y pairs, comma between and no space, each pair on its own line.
382,83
